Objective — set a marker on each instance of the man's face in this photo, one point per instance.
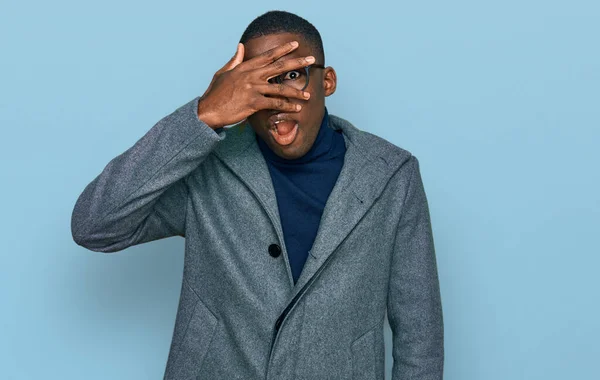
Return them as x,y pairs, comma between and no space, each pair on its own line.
321,84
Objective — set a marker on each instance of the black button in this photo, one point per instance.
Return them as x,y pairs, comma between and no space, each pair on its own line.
274,250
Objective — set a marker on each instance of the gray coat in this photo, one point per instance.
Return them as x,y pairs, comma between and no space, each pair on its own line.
240,316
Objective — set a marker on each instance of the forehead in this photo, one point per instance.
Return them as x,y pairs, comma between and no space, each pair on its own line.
261,44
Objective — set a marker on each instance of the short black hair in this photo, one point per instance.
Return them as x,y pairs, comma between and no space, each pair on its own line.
274,22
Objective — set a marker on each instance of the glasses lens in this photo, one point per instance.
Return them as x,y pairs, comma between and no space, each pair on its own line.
294,78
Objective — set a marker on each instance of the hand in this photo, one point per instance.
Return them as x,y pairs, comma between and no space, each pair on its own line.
240,89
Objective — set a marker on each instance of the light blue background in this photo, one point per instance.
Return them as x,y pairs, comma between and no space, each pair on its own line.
498,100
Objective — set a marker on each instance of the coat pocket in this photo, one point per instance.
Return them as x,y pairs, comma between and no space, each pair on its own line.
195,342
364,360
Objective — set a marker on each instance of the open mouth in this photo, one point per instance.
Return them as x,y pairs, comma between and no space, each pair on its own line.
283,129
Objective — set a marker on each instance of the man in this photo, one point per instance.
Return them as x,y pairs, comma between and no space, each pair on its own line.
301,231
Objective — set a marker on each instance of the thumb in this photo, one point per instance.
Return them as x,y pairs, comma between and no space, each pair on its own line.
235,60
239,55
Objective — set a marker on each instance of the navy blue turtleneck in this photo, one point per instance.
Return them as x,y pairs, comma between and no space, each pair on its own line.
302,186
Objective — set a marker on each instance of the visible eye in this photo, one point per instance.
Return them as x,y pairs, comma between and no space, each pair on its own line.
292,75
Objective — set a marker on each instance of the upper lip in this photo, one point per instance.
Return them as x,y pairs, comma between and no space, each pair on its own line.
280,117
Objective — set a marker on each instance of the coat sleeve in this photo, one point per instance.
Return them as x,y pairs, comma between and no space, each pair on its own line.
414,303
141,195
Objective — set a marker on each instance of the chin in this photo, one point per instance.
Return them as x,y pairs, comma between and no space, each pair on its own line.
292,151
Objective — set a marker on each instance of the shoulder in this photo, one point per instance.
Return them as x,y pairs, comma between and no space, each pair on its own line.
372,145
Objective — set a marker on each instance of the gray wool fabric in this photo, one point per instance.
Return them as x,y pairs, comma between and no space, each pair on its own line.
240,315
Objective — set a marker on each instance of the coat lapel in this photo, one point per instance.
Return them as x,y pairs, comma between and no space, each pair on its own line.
240,152
363,176
365,172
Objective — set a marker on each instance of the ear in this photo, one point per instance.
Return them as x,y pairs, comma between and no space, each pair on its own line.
329,80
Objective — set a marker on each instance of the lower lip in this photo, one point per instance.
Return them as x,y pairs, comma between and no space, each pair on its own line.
285,139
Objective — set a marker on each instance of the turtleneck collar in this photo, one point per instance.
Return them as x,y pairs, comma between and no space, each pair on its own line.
320,148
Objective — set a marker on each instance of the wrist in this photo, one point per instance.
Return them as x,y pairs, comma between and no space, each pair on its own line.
206,116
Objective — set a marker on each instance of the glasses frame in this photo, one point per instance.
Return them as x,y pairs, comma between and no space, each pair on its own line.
306,69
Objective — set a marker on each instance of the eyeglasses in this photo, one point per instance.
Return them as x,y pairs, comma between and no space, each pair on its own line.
296,78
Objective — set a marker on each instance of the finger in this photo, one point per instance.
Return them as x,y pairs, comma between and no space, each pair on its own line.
284,65
279,104
270,56
237,58
282,90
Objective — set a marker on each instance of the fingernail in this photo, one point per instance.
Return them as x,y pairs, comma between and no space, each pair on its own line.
298,107
294,43
310,59
306,94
